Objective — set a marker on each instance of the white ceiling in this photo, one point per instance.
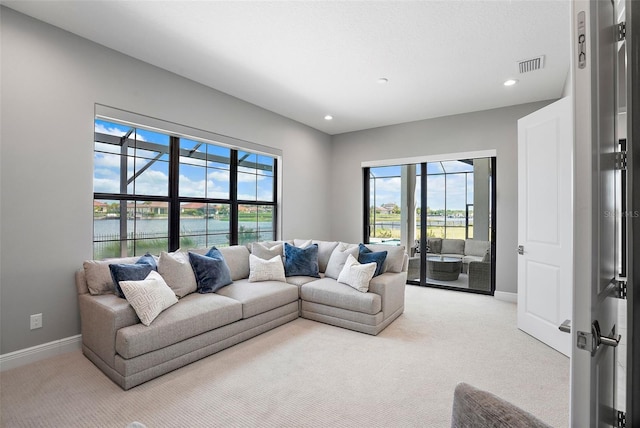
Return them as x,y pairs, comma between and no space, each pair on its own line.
306,59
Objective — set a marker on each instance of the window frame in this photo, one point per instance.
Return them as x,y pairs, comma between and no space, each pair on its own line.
175,133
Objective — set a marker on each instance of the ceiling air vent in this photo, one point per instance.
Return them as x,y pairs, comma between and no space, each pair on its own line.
532,64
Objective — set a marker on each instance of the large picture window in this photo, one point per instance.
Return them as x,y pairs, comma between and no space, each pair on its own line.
156,191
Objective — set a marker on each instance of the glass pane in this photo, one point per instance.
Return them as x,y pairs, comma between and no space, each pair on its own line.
247,189
152,178
435,205
110,128
247,224
218,157
106,173
457,166
192,152
456,206
247,162
218,183
265,223
192,181
265,165
385,202
265,188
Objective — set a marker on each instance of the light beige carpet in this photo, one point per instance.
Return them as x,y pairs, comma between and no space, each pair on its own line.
307,374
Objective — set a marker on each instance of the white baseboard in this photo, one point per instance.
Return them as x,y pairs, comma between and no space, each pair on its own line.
39,352
507,297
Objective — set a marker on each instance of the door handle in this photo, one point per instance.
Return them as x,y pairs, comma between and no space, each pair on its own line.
604,340
591,341
521,249
565,327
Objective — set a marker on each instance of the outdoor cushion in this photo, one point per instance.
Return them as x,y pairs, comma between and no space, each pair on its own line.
452,246
475,247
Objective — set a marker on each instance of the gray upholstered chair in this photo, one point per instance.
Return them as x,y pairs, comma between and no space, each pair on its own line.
474,408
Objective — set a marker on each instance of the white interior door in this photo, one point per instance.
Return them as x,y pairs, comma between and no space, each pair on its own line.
594,75
545,223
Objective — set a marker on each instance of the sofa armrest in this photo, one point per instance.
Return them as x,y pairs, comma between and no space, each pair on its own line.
473,407
390,287
101,317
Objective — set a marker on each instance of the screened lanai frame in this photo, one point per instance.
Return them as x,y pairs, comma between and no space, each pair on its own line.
451,168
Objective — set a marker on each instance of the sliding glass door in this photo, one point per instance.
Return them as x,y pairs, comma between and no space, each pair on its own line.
444,214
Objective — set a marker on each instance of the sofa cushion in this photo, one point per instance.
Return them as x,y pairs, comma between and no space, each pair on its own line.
212,273
149,297
365,255
452,246
177,272
474,247
131,272
266,270
237,258
194,314
328,291
98,275
259,297
395,256
338,258
301,261
357,275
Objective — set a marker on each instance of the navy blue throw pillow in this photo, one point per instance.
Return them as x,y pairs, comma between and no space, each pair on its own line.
132,272
365,255
212,272
301,261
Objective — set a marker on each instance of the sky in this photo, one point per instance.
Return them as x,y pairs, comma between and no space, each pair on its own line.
198,177
388,186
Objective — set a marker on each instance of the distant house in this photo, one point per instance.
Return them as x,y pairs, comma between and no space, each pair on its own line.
387,208
143,209
100,207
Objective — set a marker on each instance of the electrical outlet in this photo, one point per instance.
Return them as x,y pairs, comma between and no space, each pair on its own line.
36,321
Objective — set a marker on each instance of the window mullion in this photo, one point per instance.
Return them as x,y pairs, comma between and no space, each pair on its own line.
174,202
233,194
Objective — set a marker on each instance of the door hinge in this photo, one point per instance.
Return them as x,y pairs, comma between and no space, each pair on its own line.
621,420
621,161
621,31
621,289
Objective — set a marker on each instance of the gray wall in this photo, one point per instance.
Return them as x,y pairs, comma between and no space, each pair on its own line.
50,82
491,129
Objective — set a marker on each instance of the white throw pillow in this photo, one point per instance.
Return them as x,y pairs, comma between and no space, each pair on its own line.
176,270
357,275
266,270
149,297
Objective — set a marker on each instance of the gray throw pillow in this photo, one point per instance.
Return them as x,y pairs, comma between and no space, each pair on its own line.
338,259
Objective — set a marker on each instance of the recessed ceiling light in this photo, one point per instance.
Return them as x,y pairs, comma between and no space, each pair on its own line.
383,80
328,117
510,82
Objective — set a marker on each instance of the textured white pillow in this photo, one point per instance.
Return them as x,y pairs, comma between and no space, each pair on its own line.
149,297
266,270
176,270
357,275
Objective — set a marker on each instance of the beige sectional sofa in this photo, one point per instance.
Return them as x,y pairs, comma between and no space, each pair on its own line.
198,325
